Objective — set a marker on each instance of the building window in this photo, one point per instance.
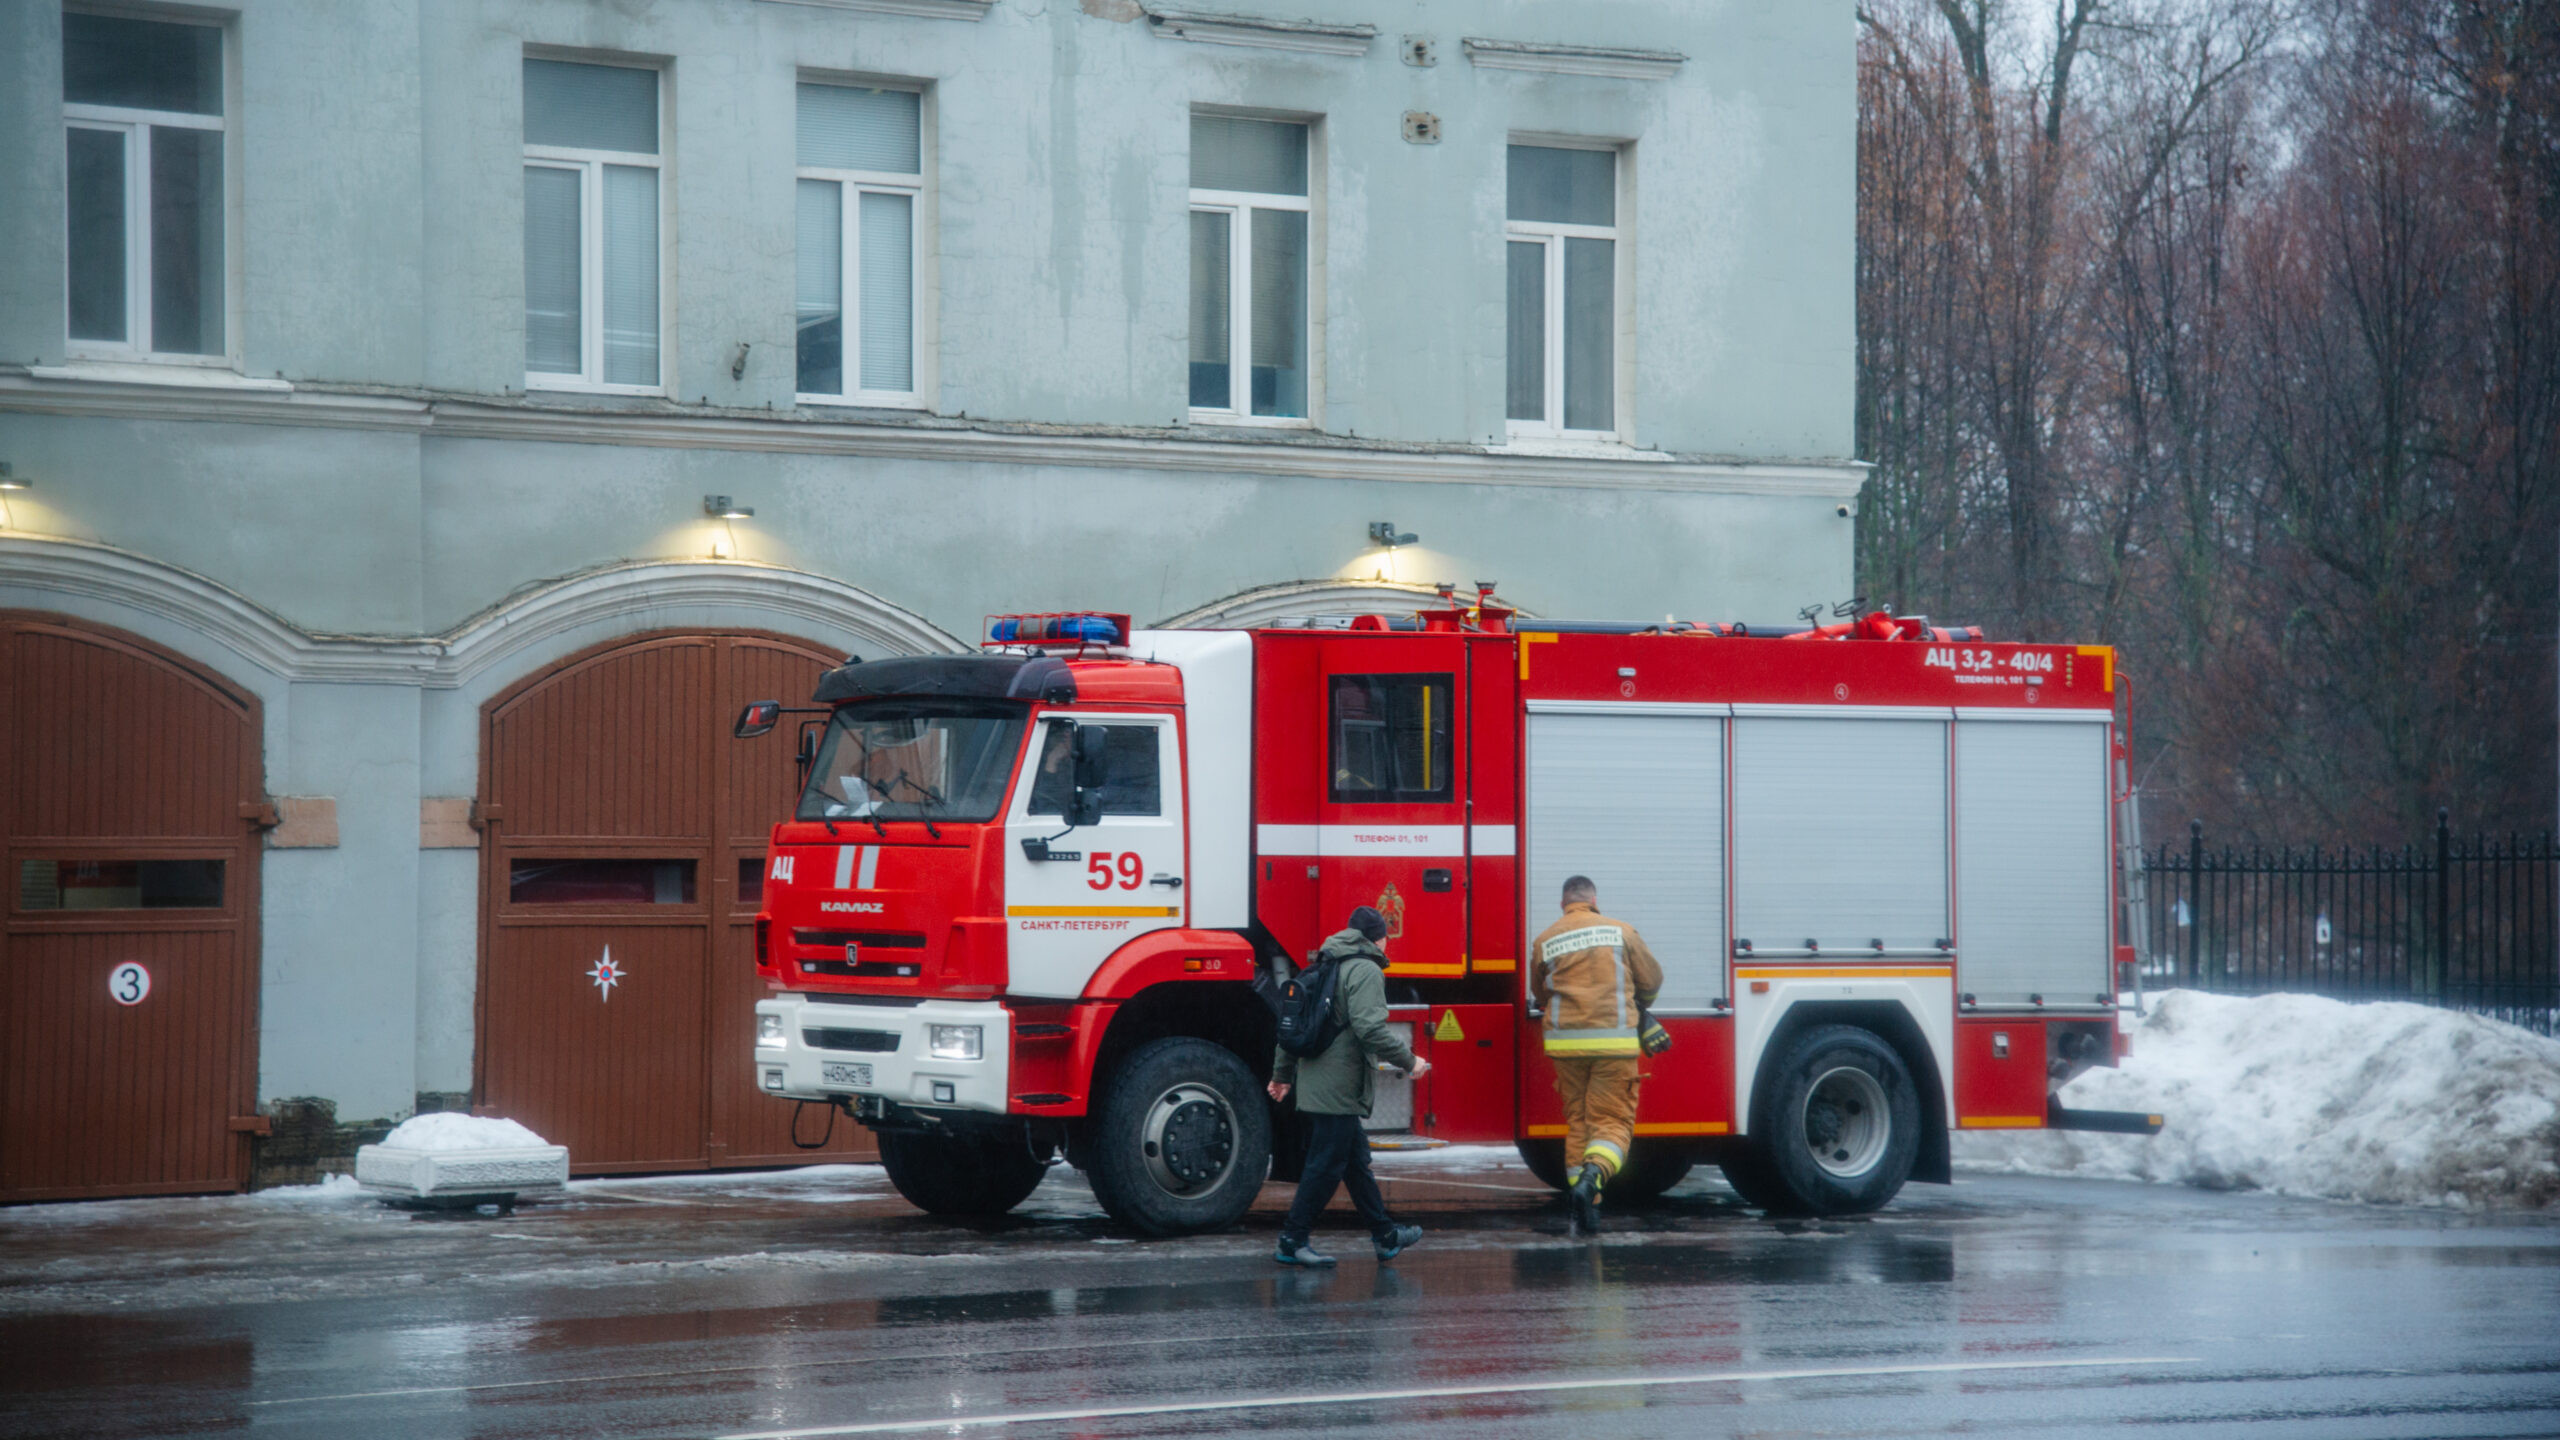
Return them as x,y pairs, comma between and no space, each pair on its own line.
1561,370
861,172
143,185
591,208
1249,269
1391,739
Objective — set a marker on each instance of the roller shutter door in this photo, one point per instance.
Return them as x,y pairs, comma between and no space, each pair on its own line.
2031,860
1840,833
1636,802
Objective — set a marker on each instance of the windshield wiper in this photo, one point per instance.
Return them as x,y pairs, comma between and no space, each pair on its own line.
932,797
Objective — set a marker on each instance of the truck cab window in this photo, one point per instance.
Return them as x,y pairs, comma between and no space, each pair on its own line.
1390,739
1131,774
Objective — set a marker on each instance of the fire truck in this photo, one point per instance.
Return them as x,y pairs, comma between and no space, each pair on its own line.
1030,901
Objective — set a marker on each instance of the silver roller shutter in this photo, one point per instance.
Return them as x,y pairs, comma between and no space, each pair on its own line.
1840,832
1636,802
2031,861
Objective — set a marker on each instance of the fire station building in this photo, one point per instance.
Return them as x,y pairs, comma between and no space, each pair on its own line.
425,423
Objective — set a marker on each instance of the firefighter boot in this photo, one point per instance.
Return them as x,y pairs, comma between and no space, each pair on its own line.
1585,1195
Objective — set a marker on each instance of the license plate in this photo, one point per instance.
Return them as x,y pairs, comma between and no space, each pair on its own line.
846,1074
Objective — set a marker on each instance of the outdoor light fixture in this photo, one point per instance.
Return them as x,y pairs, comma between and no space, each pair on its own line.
724,545
10,480
1383,532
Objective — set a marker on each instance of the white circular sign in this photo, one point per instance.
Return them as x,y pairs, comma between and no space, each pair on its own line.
128,983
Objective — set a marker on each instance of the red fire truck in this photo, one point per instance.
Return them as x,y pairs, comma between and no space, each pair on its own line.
1025,897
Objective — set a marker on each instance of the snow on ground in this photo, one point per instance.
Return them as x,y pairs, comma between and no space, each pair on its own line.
2386,1103
446,1133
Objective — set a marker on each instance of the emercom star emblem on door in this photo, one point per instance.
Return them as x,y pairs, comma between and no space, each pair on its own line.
607,974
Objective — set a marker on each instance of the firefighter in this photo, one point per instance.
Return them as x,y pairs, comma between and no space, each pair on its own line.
1591,976
1335,1091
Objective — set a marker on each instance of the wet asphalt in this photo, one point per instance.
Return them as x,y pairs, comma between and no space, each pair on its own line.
817,1303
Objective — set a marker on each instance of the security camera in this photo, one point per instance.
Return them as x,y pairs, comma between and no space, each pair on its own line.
1844,512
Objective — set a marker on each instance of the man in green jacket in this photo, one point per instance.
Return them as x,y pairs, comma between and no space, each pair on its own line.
1335,1091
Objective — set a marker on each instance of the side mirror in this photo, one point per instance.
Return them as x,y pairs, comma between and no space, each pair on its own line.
758,718
1091,768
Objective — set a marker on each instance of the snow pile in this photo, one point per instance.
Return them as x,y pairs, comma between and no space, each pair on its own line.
2385,1103
447,1133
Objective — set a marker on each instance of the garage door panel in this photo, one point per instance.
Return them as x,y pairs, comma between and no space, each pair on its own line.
102,1098
1840,832
124,771
761,773
2031,865
616,745
108,740
596,1040
1635,802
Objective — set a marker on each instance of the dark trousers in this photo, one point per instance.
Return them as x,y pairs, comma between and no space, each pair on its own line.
1337,1154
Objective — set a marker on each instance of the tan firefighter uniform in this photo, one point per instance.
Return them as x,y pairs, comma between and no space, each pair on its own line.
1589,973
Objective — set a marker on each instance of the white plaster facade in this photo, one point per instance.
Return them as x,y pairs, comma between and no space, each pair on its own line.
360,513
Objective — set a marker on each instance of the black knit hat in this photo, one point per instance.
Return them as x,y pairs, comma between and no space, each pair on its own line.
1371,925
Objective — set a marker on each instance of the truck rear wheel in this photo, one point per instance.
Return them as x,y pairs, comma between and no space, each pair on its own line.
1836,1126
960,1174
1182,1140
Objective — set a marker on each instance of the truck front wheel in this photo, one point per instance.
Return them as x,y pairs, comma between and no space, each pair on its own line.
1182,1140
1835,1127
960,1174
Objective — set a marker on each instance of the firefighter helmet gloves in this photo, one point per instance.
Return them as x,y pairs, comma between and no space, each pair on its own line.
1371,925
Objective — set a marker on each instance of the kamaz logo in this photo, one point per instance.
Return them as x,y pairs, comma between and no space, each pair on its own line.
851,907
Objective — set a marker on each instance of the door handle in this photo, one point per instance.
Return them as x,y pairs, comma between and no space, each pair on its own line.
1171,882
1437,881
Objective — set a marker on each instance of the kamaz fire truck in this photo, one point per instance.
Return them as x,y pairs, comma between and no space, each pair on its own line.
1026,895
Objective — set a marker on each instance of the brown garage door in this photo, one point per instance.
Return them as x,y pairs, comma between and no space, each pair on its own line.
129,786
624,852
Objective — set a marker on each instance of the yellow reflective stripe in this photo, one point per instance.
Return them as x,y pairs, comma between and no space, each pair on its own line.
1089,912
1595,1045
2001,1122
1609,1155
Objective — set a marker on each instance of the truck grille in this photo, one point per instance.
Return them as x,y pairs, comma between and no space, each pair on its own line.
836,940
862,969
871,1042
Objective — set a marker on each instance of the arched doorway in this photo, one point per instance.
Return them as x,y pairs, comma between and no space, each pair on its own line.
623,847
130,810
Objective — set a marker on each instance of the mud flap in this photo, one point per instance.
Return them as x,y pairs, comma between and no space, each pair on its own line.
1933,1164
2104,1122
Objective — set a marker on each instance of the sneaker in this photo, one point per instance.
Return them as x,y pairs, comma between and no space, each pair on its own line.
1395,1240
1585,1195
1300,1252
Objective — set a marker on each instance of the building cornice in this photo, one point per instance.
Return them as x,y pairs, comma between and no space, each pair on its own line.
46,569
917,9
1610,61
1213,27
933,438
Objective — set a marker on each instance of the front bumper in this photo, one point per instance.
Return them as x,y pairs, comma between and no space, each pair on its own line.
794,1068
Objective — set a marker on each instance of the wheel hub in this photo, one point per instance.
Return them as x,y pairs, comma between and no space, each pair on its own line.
1189,1139
1846,1123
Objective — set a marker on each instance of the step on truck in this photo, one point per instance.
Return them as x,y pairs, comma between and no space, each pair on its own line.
1023,901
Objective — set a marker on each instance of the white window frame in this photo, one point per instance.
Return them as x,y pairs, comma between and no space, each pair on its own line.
590,167
135,125
1552,235
852,185
1238,206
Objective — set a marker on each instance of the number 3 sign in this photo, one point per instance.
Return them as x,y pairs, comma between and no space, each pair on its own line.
128,983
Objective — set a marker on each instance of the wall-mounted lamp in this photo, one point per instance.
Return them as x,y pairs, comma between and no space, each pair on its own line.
11,480
1383,532
724,545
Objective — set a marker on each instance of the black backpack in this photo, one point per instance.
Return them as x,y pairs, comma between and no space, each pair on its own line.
1306,1009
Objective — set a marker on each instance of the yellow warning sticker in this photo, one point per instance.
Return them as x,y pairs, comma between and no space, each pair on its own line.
1448,1029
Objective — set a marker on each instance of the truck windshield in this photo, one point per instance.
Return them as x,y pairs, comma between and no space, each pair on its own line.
914,760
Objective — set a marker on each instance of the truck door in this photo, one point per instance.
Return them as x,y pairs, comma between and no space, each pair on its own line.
1393,830
1103,884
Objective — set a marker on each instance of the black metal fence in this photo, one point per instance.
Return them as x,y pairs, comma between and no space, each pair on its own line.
2466,924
